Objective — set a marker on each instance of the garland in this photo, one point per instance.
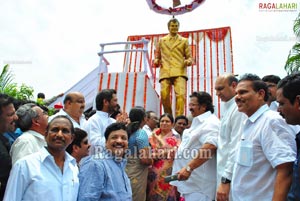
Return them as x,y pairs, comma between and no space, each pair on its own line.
175,10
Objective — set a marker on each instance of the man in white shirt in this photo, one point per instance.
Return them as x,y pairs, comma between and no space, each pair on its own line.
195,161
230,132
33,121
271,82
264,160
180,124
151,122
106,104
49,174
74,105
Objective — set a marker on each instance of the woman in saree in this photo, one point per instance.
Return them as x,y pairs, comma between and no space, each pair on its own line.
164,144
138,158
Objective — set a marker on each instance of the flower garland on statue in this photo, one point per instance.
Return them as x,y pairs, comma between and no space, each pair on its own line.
175,10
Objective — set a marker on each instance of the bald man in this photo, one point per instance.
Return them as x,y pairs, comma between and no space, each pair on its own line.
74,104
230,131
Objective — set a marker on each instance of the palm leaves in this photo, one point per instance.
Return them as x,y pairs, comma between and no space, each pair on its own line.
296,27
6,78
293,61
7,86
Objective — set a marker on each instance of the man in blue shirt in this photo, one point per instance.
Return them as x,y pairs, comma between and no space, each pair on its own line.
103,177
288,97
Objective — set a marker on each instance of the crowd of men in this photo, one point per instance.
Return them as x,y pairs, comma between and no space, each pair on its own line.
250,153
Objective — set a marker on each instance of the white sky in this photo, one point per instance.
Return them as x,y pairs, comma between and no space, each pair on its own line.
51,45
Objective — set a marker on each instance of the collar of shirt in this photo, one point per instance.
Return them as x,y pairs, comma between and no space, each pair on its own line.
108,155
35,134
200,118
44,153
147,127
63,112
274,105
175,132
101,113
258,113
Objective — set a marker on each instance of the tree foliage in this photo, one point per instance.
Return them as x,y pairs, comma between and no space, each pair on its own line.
293,61
9,87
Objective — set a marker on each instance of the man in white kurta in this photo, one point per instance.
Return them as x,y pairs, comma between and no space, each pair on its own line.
195,162
106,104
264,160
95,127
230,132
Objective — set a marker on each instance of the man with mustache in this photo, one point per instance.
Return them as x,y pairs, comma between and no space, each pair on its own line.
264,159
272,81
104,178
288,97
51,173
106,104
74,104
7,124
195,160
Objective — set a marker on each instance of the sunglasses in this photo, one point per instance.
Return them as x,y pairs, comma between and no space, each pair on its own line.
85,142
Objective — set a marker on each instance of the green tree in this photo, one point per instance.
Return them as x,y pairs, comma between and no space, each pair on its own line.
293,61
7,86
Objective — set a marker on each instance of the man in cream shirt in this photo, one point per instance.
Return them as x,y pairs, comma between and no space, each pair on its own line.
33,121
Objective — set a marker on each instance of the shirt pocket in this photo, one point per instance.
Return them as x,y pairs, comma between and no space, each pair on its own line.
245,153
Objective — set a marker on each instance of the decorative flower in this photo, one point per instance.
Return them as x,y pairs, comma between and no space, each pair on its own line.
158,131
158,164
171,141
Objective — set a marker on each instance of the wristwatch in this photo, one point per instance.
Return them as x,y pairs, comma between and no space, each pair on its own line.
224,180
188,168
